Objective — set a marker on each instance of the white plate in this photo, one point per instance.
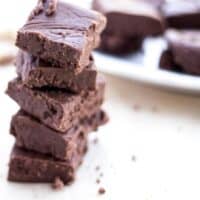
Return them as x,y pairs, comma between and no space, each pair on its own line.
143,67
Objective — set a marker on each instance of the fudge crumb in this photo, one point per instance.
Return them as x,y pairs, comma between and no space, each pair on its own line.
57,184
133,158
97,168
136,107
101,174
95,141
98,181
101,191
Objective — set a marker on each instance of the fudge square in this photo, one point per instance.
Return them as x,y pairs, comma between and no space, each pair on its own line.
35,73
65,38
58,109
182,14
32,135
184,48
130,18
29,166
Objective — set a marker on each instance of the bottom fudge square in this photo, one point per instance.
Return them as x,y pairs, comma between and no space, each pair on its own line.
58,109
32,135
28,166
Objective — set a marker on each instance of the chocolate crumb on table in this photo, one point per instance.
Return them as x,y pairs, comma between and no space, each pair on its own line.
95,141
101,191
133,158
98,181
97,168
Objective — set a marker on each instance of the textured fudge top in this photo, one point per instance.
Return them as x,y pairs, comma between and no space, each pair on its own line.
66,17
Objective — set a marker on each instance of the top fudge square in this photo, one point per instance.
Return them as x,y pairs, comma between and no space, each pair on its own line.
65,38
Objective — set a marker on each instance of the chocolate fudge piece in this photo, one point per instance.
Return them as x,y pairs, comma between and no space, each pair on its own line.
35,73
167,62
57,109
185,48
65,38
182,14
130,18
116,44
28,166
32,135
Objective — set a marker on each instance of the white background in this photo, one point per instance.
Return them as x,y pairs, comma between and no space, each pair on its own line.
159,128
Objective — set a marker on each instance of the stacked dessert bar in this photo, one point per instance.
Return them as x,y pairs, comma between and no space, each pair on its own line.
59,91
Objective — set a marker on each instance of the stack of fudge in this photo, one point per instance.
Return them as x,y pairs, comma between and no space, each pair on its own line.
59,91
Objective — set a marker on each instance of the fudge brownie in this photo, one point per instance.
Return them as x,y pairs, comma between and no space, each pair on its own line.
65,38
35,73
182,14
32,135
57,109
185,48
119,45
29,166
167,62
130,18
